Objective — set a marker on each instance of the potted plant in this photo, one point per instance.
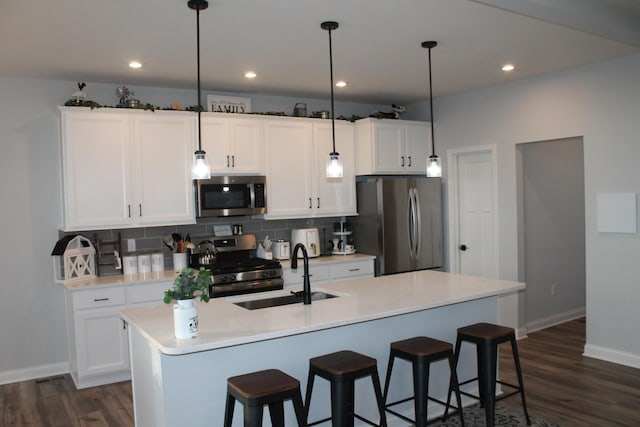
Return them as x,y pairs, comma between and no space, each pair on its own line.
188,284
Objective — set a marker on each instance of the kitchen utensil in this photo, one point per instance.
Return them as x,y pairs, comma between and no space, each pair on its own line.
207,258
168,242
309,237
300,110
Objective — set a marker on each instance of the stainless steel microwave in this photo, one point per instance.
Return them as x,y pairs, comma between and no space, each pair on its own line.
231,196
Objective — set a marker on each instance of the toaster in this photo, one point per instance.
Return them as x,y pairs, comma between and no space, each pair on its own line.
309,237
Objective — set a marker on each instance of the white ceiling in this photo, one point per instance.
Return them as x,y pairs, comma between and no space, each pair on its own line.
376,49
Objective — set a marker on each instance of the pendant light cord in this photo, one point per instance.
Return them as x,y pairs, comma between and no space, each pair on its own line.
333,118
198,62
433,141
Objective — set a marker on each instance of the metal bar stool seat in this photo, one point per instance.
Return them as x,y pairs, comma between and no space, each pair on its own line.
421,352
342,369
269,387
487,337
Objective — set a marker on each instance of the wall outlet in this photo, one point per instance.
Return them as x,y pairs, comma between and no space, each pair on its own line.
131,245
554,288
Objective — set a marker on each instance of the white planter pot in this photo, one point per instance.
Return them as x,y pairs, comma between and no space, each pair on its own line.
185,319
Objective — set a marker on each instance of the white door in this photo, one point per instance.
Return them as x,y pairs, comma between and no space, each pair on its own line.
473,246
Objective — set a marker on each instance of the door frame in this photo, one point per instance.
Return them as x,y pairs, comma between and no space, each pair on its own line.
453,156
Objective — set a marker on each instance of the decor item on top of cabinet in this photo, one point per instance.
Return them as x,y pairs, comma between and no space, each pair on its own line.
397,110
434,167
229,104
334,163
188,285
201,168
73,259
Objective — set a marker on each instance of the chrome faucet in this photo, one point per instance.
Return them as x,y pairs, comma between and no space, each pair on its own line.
306,290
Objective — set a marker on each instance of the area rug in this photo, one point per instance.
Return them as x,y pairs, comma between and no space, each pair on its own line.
505,416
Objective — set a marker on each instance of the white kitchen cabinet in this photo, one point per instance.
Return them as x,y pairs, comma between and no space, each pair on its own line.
288,167
98,338
335,196
126,168
163,147
98,341
387,146
234,144
296,154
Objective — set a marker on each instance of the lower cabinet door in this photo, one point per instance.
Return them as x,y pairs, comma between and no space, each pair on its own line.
102,342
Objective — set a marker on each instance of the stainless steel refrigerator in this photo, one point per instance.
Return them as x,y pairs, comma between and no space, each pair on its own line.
400,222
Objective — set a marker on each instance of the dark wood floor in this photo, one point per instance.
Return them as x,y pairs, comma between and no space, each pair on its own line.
571,390
562,387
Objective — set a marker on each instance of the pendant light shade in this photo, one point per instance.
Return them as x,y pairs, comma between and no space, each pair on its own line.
434,167
334,163
200,168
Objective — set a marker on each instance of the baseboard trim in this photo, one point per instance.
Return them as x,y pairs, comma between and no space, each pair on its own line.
555,319
612,355
48,370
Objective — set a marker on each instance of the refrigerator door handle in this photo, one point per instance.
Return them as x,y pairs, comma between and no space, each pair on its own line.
414,224
418,228
410,223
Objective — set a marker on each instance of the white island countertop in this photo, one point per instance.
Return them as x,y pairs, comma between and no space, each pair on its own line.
224,324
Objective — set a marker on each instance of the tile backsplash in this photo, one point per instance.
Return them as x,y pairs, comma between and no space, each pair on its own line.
149,239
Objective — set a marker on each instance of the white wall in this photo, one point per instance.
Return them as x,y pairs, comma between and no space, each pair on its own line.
33,329
601,103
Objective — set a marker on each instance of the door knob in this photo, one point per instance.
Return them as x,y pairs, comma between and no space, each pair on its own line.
463,247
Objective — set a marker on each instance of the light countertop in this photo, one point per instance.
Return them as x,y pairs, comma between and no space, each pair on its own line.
170,275
224,324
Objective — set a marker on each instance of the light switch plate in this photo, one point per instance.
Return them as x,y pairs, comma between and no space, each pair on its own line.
131,245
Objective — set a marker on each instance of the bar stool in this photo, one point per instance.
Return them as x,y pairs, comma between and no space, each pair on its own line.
269,387
342,369
421,352
487,337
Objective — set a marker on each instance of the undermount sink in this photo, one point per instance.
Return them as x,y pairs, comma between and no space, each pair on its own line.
282,300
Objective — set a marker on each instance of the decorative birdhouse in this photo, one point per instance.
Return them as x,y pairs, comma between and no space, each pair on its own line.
74,257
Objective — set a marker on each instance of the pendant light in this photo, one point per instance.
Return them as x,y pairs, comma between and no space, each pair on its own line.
334,164
200,168
434,167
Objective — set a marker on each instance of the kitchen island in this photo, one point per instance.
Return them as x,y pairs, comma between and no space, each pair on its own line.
183,382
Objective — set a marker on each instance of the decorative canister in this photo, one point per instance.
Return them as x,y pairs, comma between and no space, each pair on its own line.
157,262
144,263
185,319
130,264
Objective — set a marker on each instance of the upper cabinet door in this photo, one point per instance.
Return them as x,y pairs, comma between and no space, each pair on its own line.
392,146
335,196
418,138
215,142
246,145
234,145
96,181
164,146
289,154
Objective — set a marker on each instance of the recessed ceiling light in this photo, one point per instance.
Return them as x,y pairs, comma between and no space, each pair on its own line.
135,64
341,83
250,75
508,67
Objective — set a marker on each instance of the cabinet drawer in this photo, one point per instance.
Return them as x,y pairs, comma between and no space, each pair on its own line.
294,277
147,293
352,269
95,298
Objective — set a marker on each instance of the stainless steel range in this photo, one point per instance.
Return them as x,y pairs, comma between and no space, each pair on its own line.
234,269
